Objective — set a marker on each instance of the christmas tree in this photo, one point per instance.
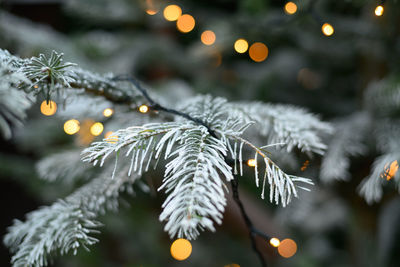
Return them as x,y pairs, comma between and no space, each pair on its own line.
216,133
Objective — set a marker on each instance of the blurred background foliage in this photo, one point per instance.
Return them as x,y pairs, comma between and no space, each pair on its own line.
329,75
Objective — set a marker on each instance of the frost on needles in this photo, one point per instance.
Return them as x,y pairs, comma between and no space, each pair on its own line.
201,152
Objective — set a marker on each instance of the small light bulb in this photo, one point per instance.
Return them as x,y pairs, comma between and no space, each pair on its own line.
108,112
48,108
181,249
251,162
290,8
143,109
96,129
208,37
379,10
274,242
327,29
241,46
172,12
71,126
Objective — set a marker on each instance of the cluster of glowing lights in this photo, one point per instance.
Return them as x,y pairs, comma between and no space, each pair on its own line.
286,248
48,108
241,46
290,8
96,129
71,126
185,23
108,112
143,109
390,170
258,52
208,37
181,249
327,29
172,12
251,163
379,11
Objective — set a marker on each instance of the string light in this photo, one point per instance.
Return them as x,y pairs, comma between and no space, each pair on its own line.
241,46
71,126
208,37
181,249
251,162
379,11
287,248
185,23
258,52
48,108
172,12
274,242
327,29
96,129
108,112
290,8
143,109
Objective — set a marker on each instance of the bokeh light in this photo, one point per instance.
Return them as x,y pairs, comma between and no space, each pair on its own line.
143,109
287,248
258,52
251,162
172,12
150,8
181,249
110,138
241,46
185,23
71,126
290,8
96,129
274,242
379,10
108,112
48,108
327,29
232,265
208,37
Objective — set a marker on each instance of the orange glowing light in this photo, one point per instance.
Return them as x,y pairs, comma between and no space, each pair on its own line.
258,52
390,170
185,23
181,249
232,265
241,46
379,10
208,37
143,109
96,129
305,165
48,108
172,12
108,112
110,138
251,162
287,248
327,29
71,126
151,9
290,8
274,242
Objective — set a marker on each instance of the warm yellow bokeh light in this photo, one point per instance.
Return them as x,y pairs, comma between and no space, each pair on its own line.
48,108
287,248
151,12
327,29
258,52
150,8
274,242
241,46
208,37
379,10
185,23
143,109
251,162
290,8
71,126
110,138
96,129
108,112
181,249
172,12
